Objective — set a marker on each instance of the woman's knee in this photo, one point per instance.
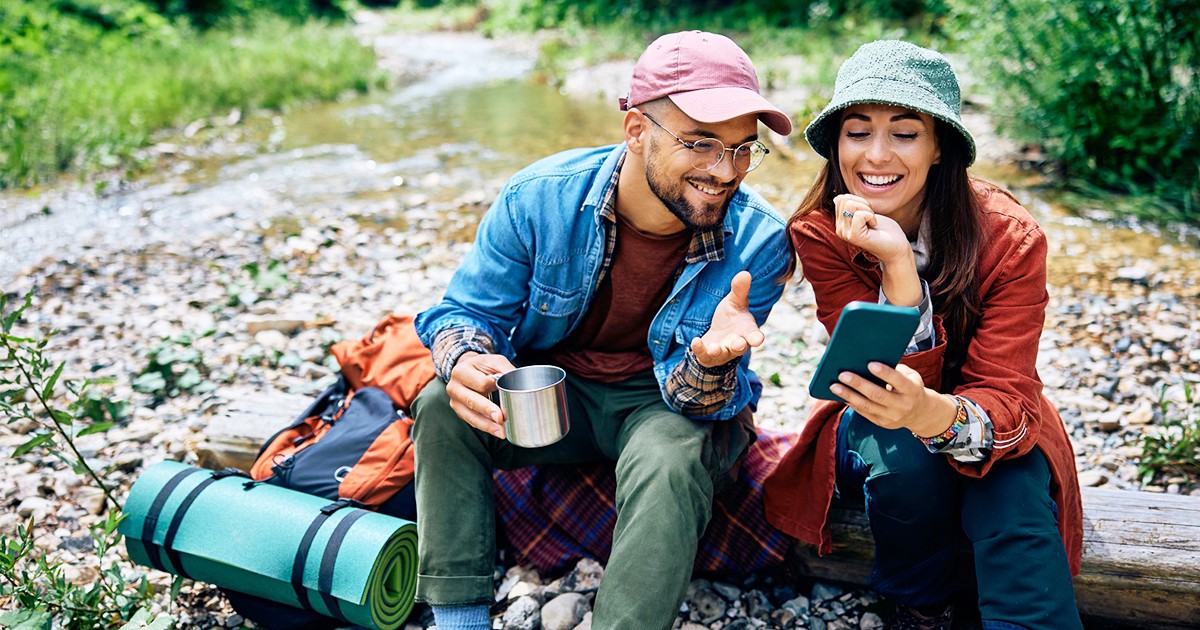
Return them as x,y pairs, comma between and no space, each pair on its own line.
1013,496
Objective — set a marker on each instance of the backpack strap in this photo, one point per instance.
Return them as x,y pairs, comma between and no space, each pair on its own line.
324,583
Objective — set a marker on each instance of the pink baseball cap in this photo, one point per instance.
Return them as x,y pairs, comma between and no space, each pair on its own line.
706,75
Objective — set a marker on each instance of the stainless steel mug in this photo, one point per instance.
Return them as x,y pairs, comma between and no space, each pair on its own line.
534,400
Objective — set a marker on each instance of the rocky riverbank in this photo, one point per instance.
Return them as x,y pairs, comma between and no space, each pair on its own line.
253,290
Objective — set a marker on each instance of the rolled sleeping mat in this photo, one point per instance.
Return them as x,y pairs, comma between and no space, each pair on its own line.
272,542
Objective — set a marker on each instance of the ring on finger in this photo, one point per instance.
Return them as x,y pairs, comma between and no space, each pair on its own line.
847,214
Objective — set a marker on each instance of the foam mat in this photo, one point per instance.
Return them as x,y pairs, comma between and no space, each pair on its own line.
272,542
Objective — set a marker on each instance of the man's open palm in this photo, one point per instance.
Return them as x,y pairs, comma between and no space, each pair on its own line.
733,331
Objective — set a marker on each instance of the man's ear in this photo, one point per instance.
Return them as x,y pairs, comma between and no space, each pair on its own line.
636,127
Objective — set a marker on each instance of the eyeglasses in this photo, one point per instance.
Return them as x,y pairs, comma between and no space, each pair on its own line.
706,153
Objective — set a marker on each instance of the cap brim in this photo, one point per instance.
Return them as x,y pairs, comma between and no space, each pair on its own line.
715,105
823,130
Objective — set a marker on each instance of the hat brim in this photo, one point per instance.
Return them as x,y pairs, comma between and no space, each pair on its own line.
715,105
823,130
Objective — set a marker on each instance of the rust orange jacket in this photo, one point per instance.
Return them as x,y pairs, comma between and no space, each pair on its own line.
998,373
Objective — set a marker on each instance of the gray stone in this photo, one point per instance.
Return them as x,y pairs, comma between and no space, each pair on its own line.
822,592
756,604
799,605
37,507
584,578
727,591
564,612
586,624
706,606
523,614
870,621
1092,478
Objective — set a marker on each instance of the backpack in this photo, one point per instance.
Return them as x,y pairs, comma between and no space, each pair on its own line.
352,442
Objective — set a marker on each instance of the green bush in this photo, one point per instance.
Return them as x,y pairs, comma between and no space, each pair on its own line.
1109,88
737,15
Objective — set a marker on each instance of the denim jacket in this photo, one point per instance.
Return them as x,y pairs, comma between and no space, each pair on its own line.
534,269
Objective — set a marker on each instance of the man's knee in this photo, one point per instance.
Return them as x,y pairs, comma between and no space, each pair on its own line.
432,415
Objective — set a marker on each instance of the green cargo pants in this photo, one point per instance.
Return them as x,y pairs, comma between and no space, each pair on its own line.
667,467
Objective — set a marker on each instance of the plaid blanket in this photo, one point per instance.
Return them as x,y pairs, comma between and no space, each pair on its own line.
554,515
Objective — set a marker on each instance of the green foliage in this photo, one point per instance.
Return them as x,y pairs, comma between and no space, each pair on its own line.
47,598
1110,89
174,367
209,13
29,578
85,89
258,282
738,15
1175,449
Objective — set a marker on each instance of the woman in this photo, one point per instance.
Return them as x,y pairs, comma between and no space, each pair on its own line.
961,443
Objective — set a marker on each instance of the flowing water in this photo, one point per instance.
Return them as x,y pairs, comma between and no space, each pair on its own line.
446,141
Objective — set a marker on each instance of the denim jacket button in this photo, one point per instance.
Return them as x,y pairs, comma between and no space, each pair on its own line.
545,308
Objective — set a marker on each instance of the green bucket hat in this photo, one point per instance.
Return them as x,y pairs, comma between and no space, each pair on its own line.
893,73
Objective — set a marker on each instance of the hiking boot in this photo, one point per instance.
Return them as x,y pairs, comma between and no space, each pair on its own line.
931,617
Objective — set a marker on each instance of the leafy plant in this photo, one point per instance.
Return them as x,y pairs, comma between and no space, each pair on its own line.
29,578
261,280
1176,449
174,367
1109,89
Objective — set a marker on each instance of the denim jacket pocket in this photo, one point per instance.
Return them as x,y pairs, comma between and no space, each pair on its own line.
551,302
689,329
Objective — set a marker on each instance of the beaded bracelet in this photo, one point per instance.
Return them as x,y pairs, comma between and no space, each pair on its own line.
947,436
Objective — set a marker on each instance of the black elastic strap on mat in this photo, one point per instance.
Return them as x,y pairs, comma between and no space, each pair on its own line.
306,545
177,519
325,577
151,521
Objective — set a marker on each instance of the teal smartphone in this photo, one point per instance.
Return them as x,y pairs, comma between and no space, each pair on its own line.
865,332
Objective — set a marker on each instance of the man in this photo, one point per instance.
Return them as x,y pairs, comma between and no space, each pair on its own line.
644,270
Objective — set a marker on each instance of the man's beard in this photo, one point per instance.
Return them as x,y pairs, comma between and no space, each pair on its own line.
673,195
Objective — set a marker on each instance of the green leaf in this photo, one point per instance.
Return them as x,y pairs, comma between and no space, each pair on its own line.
37,441
26,620
48,390
176,586
12,318
189,379
150,383
99,427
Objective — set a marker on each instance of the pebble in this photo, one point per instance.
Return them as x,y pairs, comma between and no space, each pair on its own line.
1107,351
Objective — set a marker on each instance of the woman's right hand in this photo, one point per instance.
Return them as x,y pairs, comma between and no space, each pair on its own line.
472,381
858,225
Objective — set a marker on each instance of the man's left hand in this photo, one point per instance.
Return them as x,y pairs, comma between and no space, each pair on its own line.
733,331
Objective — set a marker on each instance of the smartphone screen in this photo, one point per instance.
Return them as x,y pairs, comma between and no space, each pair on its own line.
865,332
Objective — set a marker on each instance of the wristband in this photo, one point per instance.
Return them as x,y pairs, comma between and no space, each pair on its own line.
947,436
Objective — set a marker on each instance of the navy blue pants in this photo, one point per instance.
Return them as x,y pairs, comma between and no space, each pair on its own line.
921,510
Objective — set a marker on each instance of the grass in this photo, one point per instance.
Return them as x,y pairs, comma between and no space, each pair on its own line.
94,109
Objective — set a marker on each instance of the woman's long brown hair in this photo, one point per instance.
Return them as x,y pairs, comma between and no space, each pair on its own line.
957,237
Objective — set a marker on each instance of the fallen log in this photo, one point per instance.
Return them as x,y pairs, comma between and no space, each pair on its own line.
1141,556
